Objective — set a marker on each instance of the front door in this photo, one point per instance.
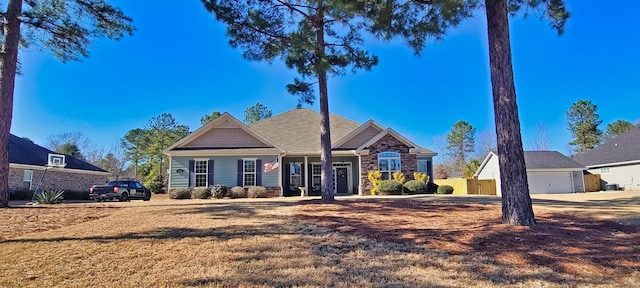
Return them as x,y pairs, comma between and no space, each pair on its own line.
342,182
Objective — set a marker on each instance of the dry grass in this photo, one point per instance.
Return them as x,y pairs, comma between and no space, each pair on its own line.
284,242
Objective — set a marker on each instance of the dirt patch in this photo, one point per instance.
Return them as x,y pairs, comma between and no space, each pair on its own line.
17,221
567,242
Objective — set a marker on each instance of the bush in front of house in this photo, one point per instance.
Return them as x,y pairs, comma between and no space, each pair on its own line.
179,194
445,189
389,187
21,194
432,188
156,187
218,191
201,193
415,187
257,192
50,196
237,192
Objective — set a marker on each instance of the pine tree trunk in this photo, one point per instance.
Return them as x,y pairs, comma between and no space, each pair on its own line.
7,84
325,132
516,202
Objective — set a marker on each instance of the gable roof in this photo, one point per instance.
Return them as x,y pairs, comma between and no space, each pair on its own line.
414,147
298,130
23,151
368,127
224,121
540,160
623,148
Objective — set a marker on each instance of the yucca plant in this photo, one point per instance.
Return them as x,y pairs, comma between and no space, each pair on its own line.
49,196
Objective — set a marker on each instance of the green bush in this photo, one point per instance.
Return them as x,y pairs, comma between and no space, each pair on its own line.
76,195
415,187
389,187
432,188
218,191
156,187
445,189
50,196
201,193
179,194
237,192
257,192
22,194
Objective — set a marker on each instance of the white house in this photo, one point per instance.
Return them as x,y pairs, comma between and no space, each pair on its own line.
617,161
547,172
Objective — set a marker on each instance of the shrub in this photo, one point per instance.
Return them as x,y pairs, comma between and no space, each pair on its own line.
398,176
218,191
22,194
237,192
445,189
201,193
421,177
432,188
156,187
179,194
76,195
50,196
415,187
375,177
390,187
257,192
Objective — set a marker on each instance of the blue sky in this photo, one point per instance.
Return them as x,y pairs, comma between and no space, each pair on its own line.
179,62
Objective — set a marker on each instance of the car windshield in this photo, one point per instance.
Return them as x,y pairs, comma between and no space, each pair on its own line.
118,183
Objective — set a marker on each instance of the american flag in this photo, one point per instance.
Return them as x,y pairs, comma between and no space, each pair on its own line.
269,166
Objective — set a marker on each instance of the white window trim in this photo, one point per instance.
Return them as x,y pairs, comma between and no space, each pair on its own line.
206,173
426,165
298,175
313,174
30,178
254,173
390,171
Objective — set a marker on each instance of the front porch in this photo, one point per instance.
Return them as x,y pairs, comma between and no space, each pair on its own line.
303,173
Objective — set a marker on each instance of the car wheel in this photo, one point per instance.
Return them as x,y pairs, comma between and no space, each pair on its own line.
124,197
147,197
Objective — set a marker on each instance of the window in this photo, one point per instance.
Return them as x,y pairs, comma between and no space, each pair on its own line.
603,170
295,174
26,180
422,166
201,173
388,162
249,172
316,176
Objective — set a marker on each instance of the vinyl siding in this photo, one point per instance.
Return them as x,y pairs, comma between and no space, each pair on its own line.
361,138
225,171
492,171
626,176
355,169
226,138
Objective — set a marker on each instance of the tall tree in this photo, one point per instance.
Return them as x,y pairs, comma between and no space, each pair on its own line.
417,20
66,27
162,132
542,140
317,38
256,113
583,121
209,117
72,143
134,144
618,127
461,143
486,143
70,149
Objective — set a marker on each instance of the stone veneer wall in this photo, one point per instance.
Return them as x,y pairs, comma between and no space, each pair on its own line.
388,143
56,180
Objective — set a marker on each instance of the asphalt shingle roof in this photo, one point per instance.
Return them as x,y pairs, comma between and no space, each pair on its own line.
23,151
623,148
549,160
298,130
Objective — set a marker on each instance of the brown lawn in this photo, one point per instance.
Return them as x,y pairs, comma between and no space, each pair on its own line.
370,242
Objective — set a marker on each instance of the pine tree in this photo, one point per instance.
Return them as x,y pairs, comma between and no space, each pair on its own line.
583,121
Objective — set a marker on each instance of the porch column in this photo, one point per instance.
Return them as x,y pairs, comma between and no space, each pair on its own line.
280,167
306,177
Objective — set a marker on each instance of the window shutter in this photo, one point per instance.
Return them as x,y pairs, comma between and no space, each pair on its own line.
192,173
259,172
302,178
240,170
210,172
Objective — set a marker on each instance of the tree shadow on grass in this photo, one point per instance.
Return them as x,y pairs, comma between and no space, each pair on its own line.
573,247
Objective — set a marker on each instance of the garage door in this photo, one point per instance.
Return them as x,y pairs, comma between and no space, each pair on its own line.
549,182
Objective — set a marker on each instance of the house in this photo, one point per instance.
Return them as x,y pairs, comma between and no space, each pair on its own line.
617,161
547,172
28,162
229,152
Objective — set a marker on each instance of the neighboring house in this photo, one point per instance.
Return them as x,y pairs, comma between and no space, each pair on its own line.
229,152
547,172
617,161
28,162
